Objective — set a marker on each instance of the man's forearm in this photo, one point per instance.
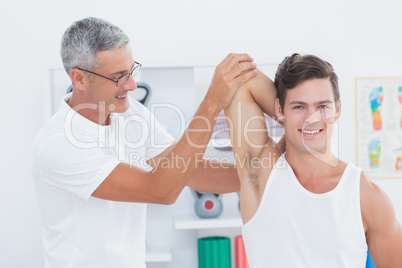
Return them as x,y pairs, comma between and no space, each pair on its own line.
179,162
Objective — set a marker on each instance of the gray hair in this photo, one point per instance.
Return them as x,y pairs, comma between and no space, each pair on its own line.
84,38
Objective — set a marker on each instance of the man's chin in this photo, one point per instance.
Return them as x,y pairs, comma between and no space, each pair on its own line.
122,108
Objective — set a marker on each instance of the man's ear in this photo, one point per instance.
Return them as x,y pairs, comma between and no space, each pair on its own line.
79,79
278,111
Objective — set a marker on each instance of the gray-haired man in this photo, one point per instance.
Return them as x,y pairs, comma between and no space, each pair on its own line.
82,168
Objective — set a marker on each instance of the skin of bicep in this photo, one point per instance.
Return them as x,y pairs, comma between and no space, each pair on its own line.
383,231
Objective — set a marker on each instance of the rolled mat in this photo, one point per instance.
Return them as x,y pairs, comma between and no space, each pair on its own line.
240,253
214,252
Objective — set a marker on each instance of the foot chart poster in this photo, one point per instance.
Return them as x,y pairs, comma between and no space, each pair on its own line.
379,127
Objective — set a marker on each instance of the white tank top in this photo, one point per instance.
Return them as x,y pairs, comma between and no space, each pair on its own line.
295,228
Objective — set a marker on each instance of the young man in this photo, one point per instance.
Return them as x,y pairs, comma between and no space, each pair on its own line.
305,208
93,152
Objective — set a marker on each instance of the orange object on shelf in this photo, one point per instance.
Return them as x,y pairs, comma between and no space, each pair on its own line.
240,253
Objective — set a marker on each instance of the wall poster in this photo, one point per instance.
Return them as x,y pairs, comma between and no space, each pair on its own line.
379,126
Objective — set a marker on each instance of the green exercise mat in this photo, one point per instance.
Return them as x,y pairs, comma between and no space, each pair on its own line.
214,252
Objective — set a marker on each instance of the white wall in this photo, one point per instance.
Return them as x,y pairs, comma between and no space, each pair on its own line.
360,38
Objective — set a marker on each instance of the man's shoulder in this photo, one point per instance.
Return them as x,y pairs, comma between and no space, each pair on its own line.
52,128
374,202
54,137
367,187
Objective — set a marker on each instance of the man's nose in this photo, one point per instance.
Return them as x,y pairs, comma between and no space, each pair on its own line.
313,117
130,85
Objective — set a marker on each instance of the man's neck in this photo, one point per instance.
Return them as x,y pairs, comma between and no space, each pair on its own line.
314,168
92,112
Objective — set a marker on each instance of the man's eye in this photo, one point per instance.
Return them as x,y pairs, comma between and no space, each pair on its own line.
124,75
298,107
323,106
119,77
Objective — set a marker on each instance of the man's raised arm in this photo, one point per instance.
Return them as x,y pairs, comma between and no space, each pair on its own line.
255,152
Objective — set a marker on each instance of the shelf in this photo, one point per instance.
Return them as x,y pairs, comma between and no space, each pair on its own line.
158,255
195,223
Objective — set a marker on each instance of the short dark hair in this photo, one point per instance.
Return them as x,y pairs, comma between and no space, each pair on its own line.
295,69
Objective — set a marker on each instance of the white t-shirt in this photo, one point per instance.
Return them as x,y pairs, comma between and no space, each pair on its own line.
72,157
295,228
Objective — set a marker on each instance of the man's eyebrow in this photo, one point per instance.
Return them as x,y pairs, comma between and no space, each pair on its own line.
320,102
297,102
326,102
122,72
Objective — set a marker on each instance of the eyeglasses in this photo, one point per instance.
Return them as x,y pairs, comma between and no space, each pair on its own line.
123,79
